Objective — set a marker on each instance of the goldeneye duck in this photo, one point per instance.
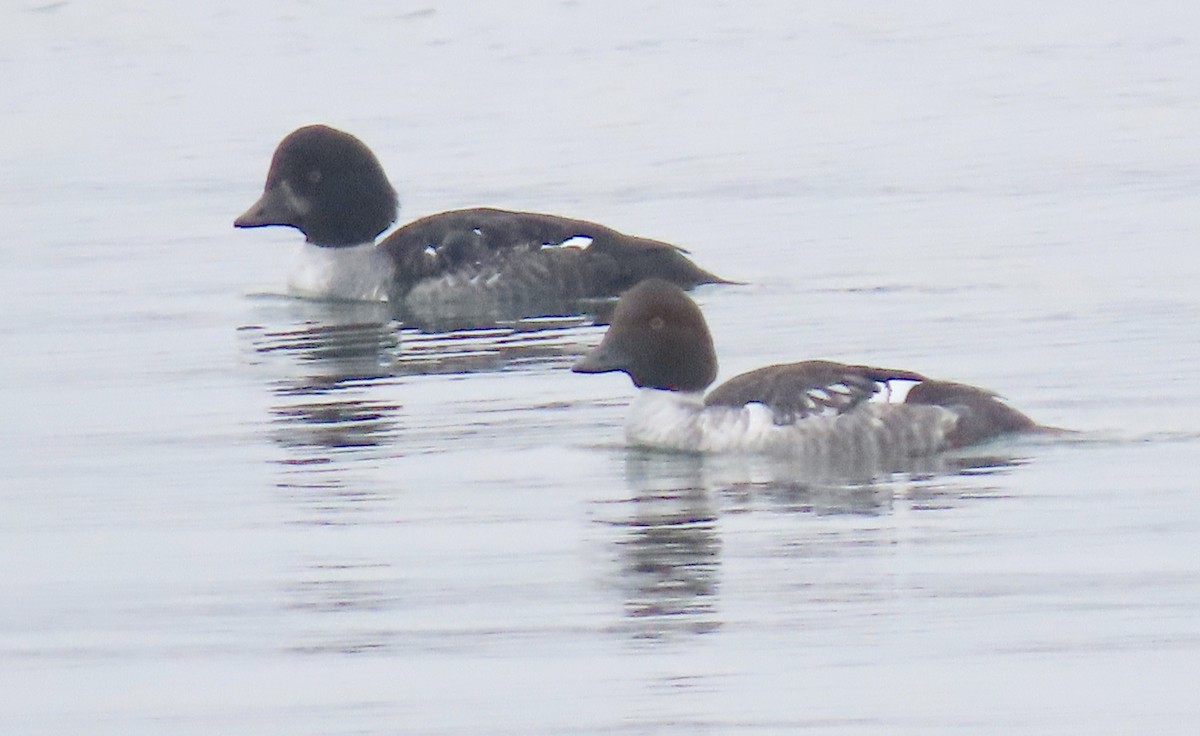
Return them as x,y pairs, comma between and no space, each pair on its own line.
483,262
817,410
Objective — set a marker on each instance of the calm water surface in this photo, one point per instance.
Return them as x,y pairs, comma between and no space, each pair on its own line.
228,511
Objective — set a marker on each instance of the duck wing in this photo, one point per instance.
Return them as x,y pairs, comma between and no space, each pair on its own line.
470,239
793,391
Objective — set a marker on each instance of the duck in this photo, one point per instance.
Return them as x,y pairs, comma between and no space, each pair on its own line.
478,262
824,412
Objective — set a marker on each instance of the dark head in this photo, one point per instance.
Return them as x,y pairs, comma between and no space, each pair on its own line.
658,336
328,185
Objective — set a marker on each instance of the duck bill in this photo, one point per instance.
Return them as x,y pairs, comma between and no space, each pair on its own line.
274,207
601,359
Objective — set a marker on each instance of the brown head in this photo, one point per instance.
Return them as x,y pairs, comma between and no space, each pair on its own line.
328,185
659,338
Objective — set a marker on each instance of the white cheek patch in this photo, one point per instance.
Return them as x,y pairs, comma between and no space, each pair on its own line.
294,202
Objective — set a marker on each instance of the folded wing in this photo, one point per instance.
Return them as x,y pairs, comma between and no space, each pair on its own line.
486,237
793,391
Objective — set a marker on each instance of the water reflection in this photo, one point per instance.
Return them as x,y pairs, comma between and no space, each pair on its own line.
332,358
346,341
668,550
363,586
362,590
349,384
341,424
785,485
319,403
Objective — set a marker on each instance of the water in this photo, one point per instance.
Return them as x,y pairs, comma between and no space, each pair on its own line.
226,511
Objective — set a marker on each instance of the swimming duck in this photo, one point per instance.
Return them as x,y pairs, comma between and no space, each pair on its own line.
480,262
817,410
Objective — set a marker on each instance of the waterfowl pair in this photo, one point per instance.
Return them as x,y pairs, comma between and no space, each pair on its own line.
488,263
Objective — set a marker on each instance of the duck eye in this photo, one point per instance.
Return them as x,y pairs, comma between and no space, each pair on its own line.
314,176
657,323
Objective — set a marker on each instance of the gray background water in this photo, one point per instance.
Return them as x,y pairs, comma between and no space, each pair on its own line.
225,511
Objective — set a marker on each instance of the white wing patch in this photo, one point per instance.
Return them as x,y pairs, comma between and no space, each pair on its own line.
579,241
893,392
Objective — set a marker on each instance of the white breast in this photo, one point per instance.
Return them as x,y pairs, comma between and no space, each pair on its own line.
356,273
873,434
679,421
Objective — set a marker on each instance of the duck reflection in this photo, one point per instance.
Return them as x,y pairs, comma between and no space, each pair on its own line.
347,423
347,341
785,485
317,407
331,358
669,548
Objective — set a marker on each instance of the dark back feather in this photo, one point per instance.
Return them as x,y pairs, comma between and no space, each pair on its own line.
487,237
796,390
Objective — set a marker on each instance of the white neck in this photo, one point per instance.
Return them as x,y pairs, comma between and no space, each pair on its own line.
675,420
665,419
357,273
